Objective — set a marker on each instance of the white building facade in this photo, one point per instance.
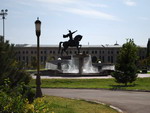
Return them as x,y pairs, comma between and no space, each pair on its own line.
104,53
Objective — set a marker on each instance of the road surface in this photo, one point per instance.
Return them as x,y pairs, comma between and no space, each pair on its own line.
127,101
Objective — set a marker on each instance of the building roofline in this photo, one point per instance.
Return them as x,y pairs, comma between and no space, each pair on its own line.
84,46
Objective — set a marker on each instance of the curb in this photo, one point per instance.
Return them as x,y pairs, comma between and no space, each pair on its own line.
97,89
98,102
111,106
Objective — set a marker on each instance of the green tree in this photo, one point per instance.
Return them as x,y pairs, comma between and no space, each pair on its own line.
50,58
33,62
14,89
126,68
148,48
144,63
9,67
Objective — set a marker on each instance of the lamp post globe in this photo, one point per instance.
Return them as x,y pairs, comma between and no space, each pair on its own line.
38,27
38,78
3,13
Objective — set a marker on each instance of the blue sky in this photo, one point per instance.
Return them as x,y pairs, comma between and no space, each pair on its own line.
99,21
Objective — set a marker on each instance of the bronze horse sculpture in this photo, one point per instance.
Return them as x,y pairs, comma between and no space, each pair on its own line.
71,43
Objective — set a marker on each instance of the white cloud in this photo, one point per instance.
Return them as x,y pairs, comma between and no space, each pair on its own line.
92,14
75,2
58,1
91,4
80,7
130,3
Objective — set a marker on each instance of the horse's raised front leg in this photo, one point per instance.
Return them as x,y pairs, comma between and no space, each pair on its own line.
65,50
62,51
59,47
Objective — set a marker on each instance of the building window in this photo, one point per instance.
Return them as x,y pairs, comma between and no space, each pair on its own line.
103,59
44,58
108,58
112,52
94,59
27,59
41,58
100,57
112,60
23,58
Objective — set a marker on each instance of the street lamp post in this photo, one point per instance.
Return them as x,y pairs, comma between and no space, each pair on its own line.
38,79
3,13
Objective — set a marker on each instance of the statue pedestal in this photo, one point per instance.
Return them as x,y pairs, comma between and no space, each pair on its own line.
80,57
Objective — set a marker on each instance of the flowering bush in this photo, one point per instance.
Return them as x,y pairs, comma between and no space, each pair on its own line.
16,104
40,105
15,100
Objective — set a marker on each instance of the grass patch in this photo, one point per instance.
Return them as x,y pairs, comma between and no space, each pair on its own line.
139,84
74,83
51,104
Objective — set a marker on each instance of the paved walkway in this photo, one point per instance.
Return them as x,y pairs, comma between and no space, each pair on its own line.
127,101
97,77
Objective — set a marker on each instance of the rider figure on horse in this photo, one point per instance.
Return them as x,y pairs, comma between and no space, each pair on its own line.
70,36
73,42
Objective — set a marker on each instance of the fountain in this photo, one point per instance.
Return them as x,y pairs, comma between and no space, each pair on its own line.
81,64
77,65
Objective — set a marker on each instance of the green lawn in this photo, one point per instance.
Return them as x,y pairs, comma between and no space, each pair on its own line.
51,104
139,84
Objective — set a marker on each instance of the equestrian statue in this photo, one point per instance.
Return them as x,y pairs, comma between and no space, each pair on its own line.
72,42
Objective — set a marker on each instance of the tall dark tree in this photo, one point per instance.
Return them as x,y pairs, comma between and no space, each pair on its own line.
126,63
9,67
148,48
